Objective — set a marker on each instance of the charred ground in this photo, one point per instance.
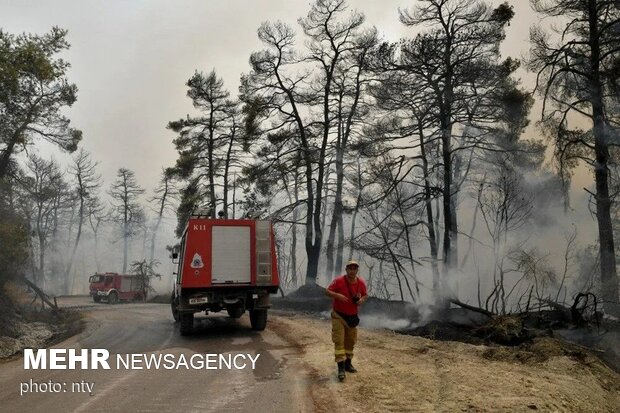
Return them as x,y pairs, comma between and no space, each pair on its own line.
527,337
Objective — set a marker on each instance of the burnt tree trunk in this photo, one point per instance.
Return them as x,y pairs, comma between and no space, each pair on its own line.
609,277
432,239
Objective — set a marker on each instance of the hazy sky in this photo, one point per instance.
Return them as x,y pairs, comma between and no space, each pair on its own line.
130,60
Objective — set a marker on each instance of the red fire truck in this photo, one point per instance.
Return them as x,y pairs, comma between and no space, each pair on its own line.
226,264
113,287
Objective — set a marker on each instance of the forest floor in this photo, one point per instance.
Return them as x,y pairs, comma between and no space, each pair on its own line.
407,373
446,362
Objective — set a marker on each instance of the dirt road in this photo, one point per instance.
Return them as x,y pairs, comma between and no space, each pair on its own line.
278,382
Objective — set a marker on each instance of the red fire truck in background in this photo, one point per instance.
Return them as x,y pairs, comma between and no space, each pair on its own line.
113,287
226,264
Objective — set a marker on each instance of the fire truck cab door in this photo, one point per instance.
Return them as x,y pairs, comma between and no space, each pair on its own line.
125,284
231,254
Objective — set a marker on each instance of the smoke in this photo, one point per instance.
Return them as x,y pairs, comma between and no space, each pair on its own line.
382,321
105,254
378,321
398,315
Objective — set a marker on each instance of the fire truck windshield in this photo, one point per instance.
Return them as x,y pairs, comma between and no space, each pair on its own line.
95,278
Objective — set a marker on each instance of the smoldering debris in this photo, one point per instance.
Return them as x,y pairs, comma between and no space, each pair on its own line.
529,337
604,340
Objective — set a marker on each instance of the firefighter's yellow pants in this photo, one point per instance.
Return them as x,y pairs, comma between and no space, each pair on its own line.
344,338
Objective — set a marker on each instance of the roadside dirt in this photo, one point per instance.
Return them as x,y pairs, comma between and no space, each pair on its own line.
25,325
406,373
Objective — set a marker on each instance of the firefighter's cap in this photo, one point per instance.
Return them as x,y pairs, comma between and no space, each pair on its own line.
352,263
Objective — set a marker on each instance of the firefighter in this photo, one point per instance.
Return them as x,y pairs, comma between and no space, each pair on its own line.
348,292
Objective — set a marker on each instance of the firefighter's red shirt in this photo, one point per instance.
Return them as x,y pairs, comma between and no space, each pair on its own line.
342,286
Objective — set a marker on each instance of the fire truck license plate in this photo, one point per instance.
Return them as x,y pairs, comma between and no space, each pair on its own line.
199,300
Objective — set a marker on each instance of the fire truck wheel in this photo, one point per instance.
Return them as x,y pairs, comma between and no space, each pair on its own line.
187,323
235,312
258,319
113,298
174,302
96,298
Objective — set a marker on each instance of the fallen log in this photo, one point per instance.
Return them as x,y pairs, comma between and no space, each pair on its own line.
472,308
583,311
44,297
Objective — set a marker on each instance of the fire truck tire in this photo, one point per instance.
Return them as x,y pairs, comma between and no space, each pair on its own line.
258,319
235,312
96,298
113,298
174,302
187,323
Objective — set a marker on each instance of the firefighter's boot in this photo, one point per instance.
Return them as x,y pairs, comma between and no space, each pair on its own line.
348,367
341,368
